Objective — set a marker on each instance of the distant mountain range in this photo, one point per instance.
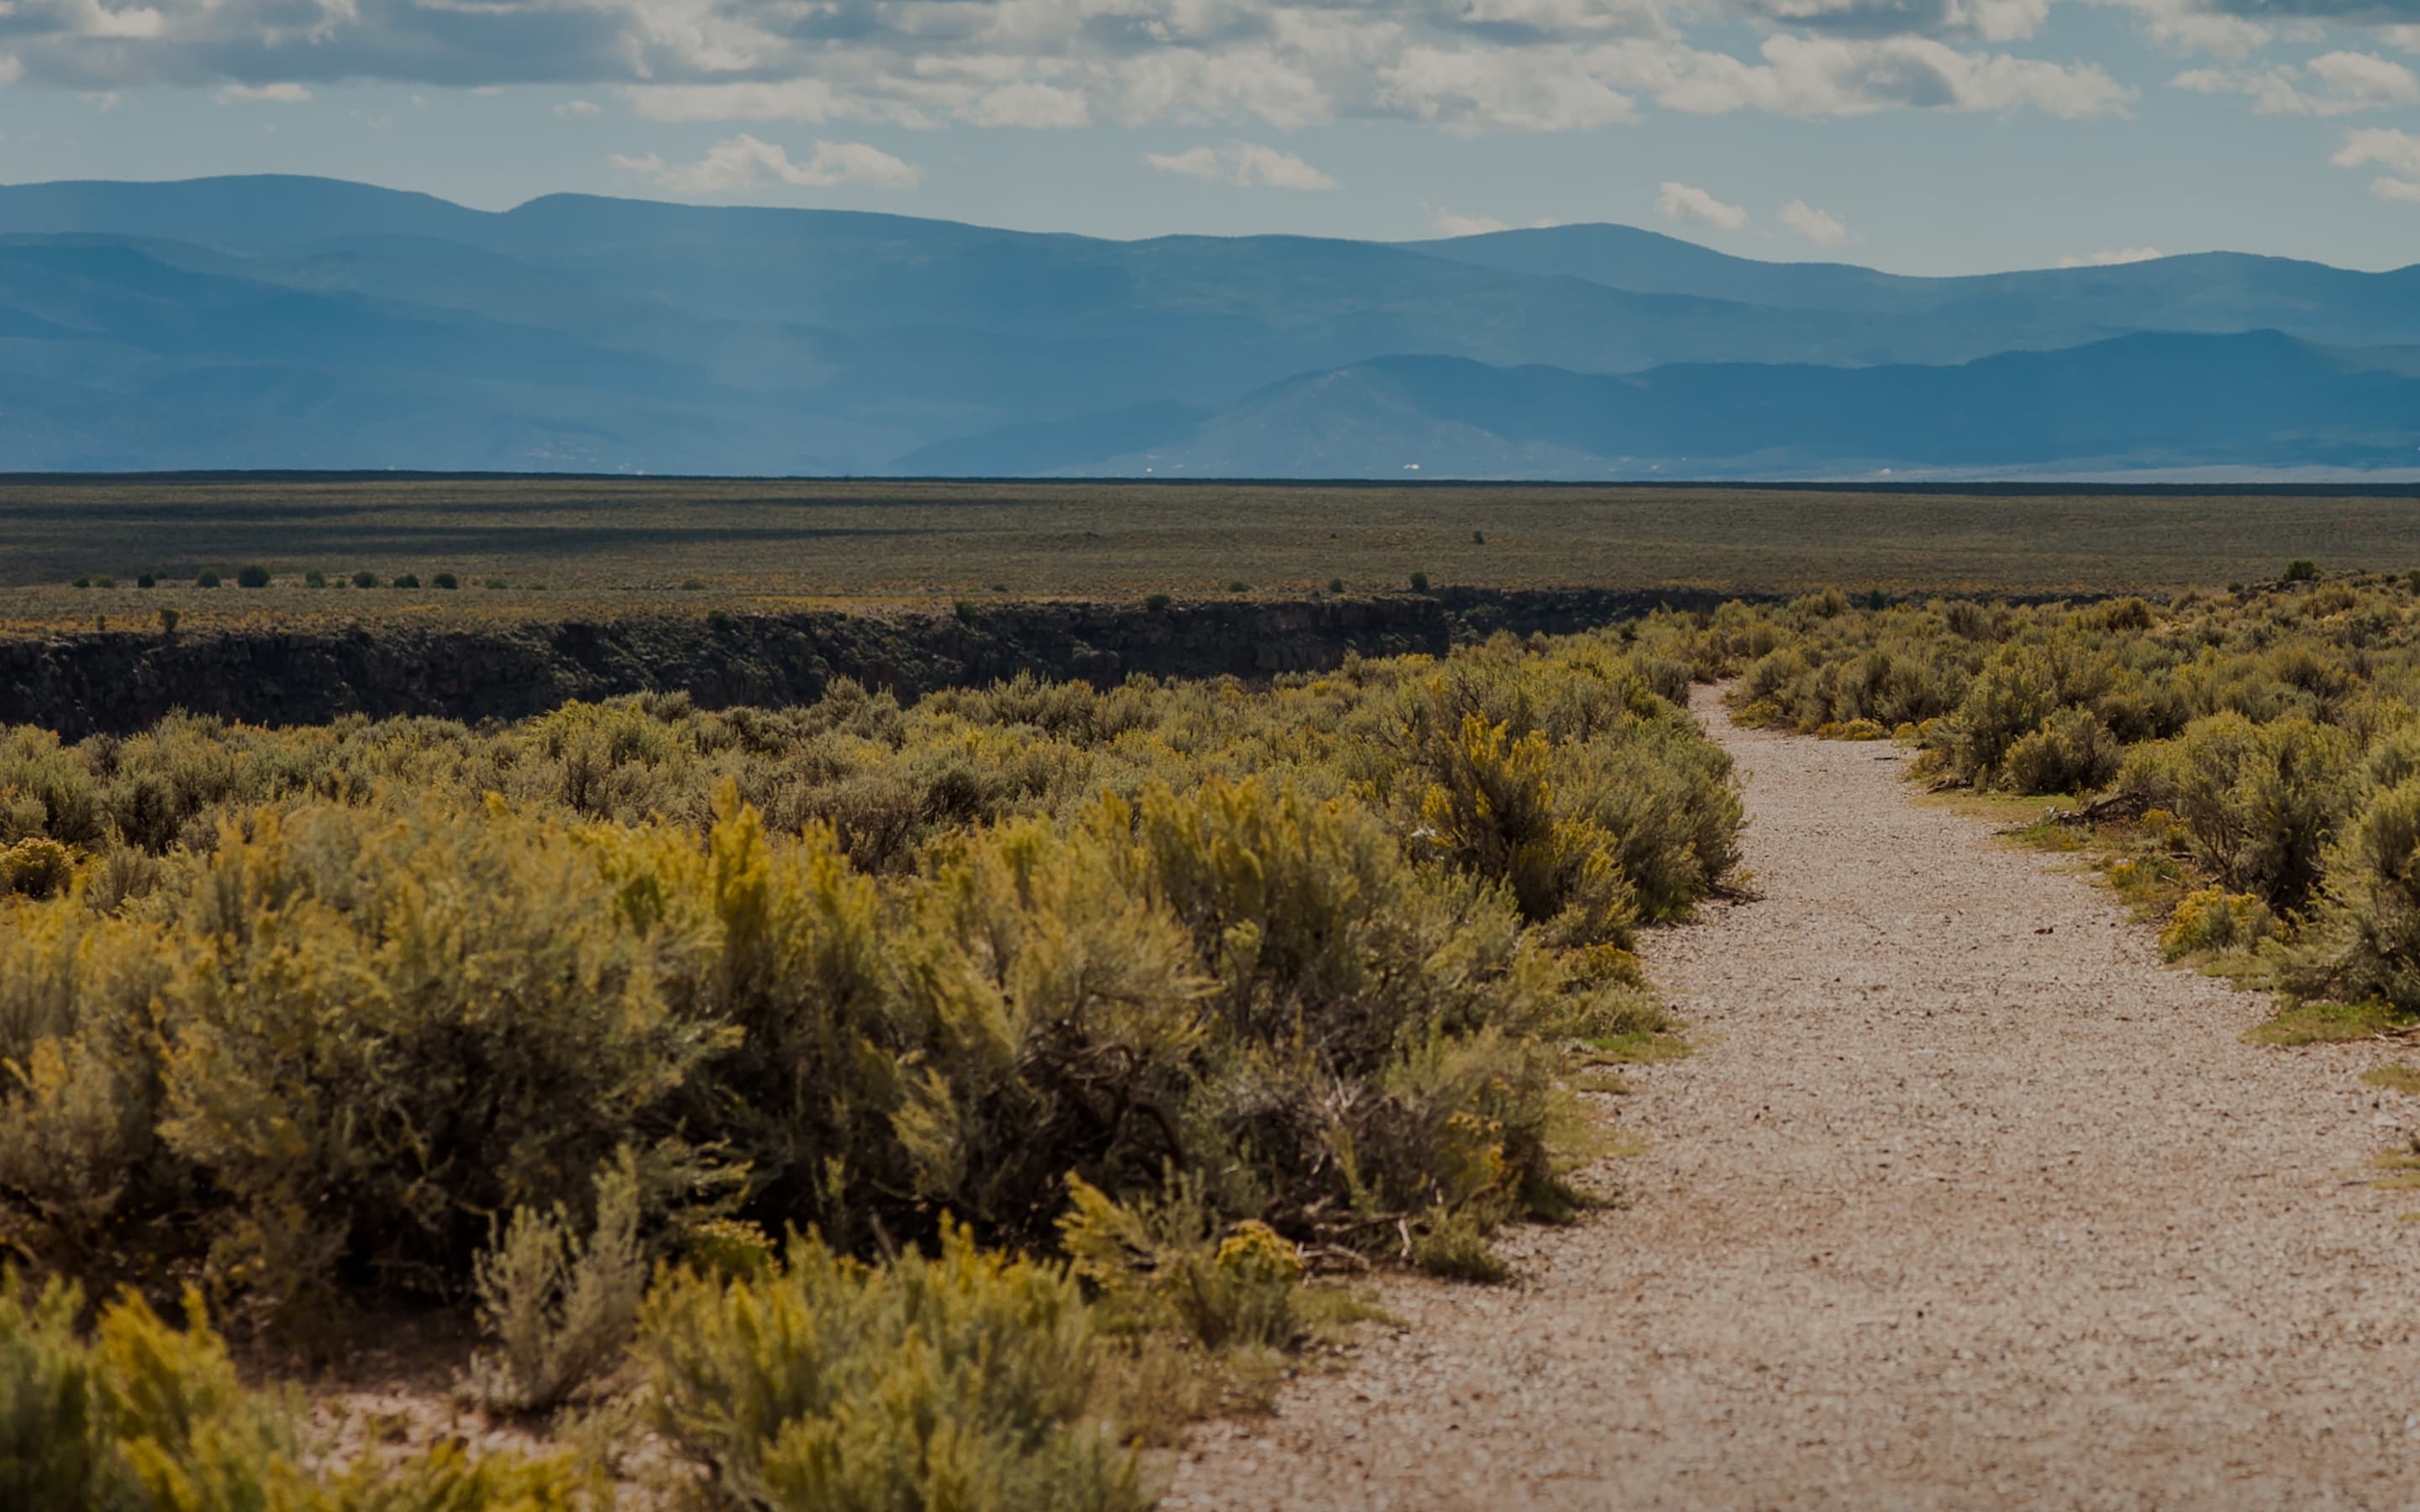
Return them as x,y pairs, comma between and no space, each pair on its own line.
275,322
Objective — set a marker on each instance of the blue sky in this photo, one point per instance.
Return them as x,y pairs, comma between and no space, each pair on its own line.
1916,135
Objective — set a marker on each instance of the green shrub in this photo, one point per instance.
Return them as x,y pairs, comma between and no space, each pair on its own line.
206,579
142,1415
315,579
2213,919
365,580
965,1379
1157,603
2259,802
252,575
406,580
400,1025
2302,570
445,579
1419,582
146,580
2072,752
168,618
1335,585
1156,1263
561,1308
36,867
2365,942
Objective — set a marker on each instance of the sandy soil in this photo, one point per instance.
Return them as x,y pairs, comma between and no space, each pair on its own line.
1963,1201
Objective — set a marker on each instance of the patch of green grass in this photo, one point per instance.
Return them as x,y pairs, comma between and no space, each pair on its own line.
2403,1079
2398,1169
2327,1024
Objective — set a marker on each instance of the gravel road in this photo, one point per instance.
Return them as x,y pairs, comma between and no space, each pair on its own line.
1963,1201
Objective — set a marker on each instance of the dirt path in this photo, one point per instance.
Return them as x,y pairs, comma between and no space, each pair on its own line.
1965,1201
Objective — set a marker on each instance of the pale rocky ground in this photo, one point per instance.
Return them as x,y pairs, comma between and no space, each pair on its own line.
1965,1201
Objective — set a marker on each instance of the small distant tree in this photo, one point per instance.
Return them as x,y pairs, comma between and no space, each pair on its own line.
105,581
2302,570
1239,586
252,575
406,579
206,577
168,621
1419,582
81,582
315,579
365,580
446,580
146,580
1478,537
1157,603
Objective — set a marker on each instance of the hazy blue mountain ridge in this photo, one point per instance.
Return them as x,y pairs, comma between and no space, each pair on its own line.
2255,400
272,321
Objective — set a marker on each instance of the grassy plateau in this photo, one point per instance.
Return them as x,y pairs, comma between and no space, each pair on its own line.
556,547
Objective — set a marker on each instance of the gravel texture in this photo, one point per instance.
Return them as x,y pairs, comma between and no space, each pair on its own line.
1965,1201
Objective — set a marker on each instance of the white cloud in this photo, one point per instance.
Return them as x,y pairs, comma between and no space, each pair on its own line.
90,19
1836,76
1245,164
103,100
266,94
579,107
1034,106
743,162
2345,83
11,69
1821,227
1464,65
2397,152
2185,27
1686,202
2113,258
1450,224
2406,38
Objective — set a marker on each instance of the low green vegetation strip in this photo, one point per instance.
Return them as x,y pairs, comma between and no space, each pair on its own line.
613,543
2244,764
893,1107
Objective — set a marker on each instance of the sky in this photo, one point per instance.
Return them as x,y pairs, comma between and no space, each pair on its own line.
1921,136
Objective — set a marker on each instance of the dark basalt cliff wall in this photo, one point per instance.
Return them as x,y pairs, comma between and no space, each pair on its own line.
116,683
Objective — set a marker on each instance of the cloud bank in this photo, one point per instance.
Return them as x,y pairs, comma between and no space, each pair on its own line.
1245,164
743,162
1464,65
